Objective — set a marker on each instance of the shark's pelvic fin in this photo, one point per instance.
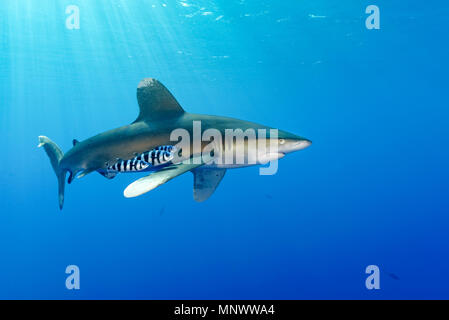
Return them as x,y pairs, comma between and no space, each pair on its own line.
156,102
107,174
205,181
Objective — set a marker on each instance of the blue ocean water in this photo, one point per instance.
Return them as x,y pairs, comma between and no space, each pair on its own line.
372,189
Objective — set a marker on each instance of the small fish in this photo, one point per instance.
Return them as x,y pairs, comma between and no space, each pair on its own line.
133,165
312,16
167,148
393,276
155,157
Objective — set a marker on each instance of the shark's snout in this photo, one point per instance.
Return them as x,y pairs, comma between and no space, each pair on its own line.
293,144
302,144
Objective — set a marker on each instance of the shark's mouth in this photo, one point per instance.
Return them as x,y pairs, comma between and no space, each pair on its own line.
273,156
302,144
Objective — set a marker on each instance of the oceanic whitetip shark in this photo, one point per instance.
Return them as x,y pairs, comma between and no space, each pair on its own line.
160,115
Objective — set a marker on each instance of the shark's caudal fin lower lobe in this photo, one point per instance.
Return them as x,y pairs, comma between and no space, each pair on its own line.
55,154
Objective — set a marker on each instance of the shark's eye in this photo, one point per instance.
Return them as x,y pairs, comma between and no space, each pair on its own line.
281,141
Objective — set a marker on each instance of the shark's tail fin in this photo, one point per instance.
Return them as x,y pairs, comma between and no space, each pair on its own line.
55,154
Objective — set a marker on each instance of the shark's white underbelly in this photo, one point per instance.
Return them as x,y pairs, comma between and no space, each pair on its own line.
248,161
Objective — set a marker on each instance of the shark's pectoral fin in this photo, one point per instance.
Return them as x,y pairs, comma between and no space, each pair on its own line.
156,102
160,177
205,181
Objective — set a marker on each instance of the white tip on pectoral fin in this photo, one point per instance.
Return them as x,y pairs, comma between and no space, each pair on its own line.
141,186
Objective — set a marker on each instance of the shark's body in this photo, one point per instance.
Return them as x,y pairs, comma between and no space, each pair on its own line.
160,114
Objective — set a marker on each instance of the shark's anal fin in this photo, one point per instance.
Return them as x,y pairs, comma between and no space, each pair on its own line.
205,181
156,102
85,173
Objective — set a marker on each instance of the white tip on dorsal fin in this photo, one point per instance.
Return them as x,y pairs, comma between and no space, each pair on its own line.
156,102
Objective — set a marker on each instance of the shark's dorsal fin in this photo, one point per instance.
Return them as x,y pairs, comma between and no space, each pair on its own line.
74,141
156,102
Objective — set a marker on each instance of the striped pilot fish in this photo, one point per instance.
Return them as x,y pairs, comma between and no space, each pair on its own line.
168,148
132,165
156,157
